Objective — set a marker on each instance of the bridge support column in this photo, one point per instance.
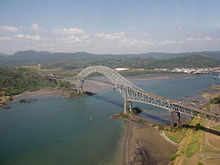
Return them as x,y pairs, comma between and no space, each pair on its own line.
172,119
58,84
125,107
178,120
79,90
130,106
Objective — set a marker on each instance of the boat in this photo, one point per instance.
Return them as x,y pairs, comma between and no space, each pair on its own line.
217,77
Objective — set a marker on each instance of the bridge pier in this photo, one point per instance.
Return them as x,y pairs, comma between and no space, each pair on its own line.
130,106
58,84
125,107
172,119
178,120
79,90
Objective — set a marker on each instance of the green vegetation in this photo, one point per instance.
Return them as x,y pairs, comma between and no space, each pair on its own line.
121,113
3,103
190,138
193,61
192,148
173,157
200,163
141,121
215,100
176,135
216,128
173,138
136,110
125,116
16,81
160,127
32,57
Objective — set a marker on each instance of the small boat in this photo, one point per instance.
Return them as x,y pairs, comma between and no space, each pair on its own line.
90,118
218,77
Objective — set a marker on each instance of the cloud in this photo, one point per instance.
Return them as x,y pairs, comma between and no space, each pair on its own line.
147,34
74,39
4,38
35,37
179,29
111,36
6,28
70,31
134,42
207,38
190,39
123,40
29,37
169,42
36,28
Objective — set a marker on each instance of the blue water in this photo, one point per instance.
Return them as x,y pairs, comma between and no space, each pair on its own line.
58,131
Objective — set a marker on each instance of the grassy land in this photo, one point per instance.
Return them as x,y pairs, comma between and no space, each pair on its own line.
189,139
215,100
176,135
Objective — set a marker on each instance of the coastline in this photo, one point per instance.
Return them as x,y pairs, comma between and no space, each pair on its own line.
144,144
43,91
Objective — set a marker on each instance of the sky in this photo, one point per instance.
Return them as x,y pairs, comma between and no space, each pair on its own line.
110,26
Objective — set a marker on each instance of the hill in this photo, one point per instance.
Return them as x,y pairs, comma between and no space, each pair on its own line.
32,57
193,61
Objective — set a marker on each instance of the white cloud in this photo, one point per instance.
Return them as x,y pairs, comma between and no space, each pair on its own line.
169,42
179,29
7,28
190,39
207,38
20,36
70,31
35,37
111,36
147,34
4,38
36,28
29,37
134,42
123,40
74,39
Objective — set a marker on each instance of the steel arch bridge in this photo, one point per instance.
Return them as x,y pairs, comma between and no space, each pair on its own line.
132,93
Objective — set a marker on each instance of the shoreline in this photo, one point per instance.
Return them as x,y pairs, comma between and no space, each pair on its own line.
44,91
144,144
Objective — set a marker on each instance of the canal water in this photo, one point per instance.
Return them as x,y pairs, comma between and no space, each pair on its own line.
55,130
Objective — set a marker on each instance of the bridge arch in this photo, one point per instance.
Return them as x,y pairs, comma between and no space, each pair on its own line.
116,79
132,93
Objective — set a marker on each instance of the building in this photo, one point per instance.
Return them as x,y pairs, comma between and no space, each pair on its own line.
121,69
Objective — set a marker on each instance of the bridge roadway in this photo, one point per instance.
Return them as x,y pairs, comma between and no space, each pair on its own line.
141,96
137,95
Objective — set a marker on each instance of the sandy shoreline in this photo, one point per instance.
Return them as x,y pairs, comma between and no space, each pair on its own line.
43,91
145,145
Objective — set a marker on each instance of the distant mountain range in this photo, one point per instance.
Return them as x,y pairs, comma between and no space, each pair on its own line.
32,57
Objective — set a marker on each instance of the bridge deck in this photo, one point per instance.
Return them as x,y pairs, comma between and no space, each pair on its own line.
139,95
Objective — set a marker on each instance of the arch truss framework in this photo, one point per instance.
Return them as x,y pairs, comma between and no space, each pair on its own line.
132,93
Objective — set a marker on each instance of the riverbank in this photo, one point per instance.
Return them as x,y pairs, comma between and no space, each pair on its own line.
144,142
45,91
145,145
